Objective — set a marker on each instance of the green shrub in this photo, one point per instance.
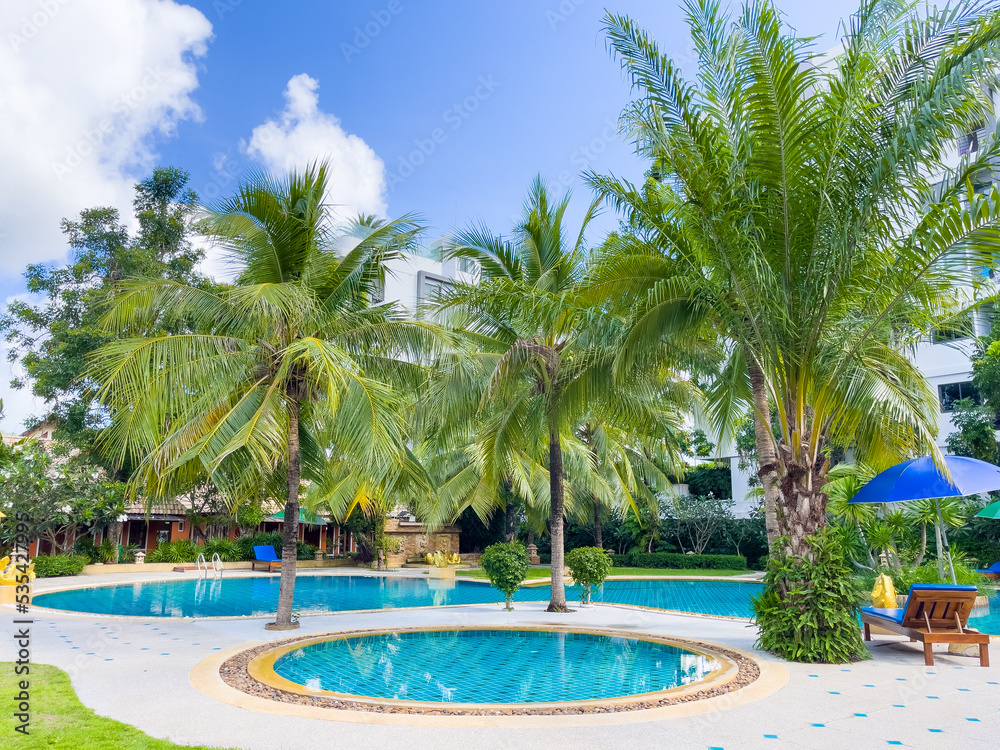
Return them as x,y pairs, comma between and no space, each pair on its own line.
106,552
762,562
226,550
181,551
808,609
589,566
506,565
85,546
49,566
677,561
545,558
245,544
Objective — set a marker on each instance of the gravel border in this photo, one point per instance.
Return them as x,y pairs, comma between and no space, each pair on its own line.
234,673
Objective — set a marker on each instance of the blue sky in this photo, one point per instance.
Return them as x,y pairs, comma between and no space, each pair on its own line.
443,108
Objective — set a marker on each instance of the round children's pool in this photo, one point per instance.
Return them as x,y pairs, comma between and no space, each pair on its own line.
485,666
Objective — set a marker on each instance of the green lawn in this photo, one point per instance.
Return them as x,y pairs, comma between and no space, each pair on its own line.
58,719
534,573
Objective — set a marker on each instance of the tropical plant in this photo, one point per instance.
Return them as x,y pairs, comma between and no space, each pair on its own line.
589,567
543,372
975,432
789,220
506,565
287,375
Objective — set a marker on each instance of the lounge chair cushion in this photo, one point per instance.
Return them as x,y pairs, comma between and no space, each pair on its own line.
940,587
895,614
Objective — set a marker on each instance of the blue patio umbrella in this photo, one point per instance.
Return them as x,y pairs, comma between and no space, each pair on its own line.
922,479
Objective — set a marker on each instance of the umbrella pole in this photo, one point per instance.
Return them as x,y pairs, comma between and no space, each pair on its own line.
944,536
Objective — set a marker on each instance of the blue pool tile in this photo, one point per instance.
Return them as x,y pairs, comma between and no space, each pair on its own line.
864,716
893,742
770,736
937,731
819,725
898,705
933,697
964,690
834,692
969,719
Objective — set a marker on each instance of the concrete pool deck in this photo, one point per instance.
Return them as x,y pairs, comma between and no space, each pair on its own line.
139,671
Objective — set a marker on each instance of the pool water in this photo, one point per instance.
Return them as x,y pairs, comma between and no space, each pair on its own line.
492,666
259,595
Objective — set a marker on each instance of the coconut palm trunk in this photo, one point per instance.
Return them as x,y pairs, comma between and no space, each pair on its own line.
598,527
290,531
558,597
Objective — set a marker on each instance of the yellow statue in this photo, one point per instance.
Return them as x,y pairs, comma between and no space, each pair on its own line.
10,575
884,593
454,559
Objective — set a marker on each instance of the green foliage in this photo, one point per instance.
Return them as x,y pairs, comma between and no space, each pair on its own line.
53,339
974,435
57,491
228,551
676,560
986,368
693,520
808,609
48,566
696,443
506,565
181,551
710,479
589,566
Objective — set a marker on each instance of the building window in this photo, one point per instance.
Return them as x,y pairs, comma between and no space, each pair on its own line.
180,527
949,393
954,330
429,288
467,265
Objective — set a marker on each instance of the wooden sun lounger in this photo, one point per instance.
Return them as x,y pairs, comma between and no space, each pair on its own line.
934,613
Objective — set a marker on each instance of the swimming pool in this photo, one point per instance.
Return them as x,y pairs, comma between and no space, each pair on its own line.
488,666
258,596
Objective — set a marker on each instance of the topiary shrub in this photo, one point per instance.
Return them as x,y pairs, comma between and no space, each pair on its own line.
49,566
506,565
589,566
808,609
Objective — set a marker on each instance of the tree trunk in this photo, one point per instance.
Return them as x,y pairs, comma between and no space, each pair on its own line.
598,528
510,520
290,533
558,601
115,529
767,457
801,507
923,546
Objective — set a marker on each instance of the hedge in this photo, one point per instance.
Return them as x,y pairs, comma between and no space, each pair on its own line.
677,560
48,566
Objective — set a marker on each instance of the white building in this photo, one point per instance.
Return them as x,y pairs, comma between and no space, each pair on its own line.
416,277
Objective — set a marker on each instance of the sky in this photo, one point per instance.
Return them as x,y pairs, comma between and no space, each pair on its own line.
445,109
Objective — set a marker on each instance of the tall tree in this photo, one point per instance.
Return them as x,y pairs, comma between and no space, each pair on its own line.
790,216
283,374
548,357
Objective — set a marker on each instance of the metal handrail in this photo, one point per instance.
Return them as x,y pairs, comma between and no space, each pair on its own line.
217,566
199,561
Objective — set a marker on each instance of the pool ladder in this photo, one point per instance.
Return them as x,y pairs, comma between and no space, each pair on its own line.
203,566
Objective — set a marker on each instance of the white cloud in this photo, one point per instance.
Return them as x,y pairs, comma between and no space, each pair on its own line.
303,133
17,404
85,85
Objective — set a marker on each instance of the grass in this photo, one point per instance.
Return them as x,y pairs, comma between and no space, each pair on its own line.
535,573
59,720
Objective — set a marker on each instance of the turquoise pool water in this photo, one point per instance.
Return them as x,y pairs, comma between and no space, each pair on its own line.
259,596
492,666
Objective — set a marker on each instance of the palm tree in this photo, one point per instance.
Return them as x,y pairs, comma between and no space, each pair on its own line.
548,356
789,218
283,374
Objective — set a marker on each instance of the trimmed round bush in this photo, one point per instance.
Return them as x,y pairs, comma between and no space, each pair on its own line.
506,565
589,566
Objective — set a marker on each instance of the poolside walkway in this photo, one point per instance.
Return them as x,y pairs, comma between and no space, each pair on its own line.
138,671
